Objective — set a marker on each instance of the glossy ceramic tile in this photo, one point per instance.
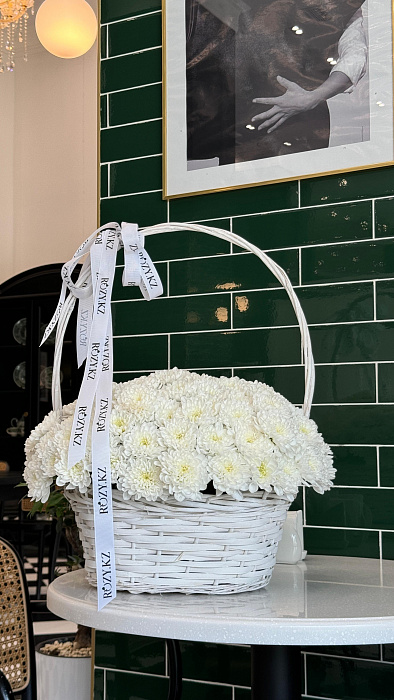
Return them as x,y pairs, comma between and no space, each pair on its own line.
386,382
384,217
344,222
386,466
135,105
337,384
103,111
348,678
129,71
197,691
229,273
356,466
231,203
216,662
321,304
385,300
355,425
364,651
134,35
103,42
98,688
338,212
130,652
172,315
140,353
288,381
353,343
234,349
355,508
144,209
140,175
354,261
388,545
124,686
341,542
187,244
363,184
104,181
133,141
112,10
242,694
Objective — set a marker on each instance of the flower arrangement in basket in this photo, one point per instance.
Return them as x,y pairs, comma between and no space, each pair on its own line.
203,470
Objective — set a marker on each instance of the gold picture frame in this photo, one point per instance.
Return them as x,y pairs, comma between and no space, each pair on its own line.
214,59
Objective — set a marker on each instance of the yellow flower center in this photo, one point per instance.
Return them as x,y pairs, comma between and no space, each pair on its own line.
263,471
145,441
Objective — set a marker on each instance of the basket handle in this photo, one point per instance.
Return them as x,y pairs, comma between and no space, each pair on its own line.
281,276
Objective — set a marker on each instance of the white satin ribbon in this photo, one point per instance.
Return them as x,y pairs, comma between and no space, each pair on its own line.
93,289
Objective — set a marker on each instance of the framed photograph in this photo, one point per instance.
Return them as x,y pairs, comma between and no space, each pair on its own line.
262,91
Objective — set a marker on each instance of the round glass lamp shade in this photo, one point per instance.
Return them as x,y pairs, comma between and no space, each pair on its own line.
66,28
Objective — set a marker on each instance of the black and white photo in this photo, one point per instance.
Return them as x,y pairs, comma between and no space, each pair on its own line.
266,90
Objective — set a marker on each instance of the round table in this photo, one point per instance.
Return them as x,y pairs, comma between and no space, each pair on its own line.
322,601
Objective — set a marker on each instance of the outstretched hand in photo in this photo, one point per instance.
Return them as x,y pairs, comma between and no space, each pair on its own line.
296,100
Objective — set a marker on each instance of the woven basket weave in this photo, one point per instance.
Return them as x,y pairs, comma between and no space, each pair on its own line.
216,546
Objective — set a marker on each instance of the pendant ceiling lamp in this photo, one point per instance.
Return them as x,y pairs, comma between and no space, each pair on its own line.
66,28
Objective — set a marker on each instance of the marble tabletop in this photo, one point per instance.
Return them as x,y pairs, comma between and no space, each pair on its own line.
324,600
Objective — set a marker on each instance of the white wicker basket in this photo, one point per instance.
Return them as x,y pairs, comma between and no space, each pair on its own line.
217,546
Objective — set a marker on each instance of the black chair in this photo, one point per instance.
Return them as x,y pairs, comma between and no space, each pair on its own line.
17,655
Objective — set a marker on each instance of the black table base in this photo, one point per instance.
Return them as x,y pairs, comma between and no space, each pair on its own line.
276,672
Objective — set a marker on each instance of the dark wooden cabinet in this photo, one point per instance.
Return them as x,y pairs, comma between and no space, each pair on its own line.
27,303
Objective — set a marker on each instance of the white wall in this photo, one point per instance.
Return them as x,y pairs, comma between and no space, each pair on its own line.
50,156
6,172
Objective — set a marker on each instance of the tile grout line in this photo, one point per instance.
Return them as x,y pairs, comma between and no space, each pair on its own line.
130,87
126,124
131,19
373,219
131,53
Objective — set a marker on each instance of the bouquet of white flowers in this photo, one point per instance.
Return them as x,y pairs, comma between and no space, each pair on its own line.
185,484
175,432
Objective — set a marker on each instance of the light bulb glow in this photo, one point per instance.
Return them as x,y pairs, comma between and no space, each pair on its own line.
66,28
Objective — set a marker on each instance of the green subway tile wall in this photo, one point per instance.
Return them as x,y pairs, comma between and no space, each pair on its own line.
223,312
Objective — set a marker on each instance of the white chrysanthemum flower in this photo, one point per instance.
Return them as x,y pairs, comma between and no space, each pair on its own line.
119,422
136,401
230,473
39,484
192,428
141,480
118,460
281,429
75,477
167,410
142,440
263,469
287,479
235,410
198,409
251,441
179,433
184,472
214,438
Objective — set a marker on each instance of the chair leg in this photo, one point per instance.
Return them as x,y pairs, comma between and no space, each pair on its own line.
5,688
174,669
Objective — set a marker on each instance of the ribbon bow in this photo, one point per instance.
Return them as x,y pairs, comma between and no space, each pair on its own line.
93,289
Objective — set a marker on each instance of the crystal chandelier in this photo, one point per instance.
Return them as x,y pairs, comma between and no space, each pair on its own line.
13,27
